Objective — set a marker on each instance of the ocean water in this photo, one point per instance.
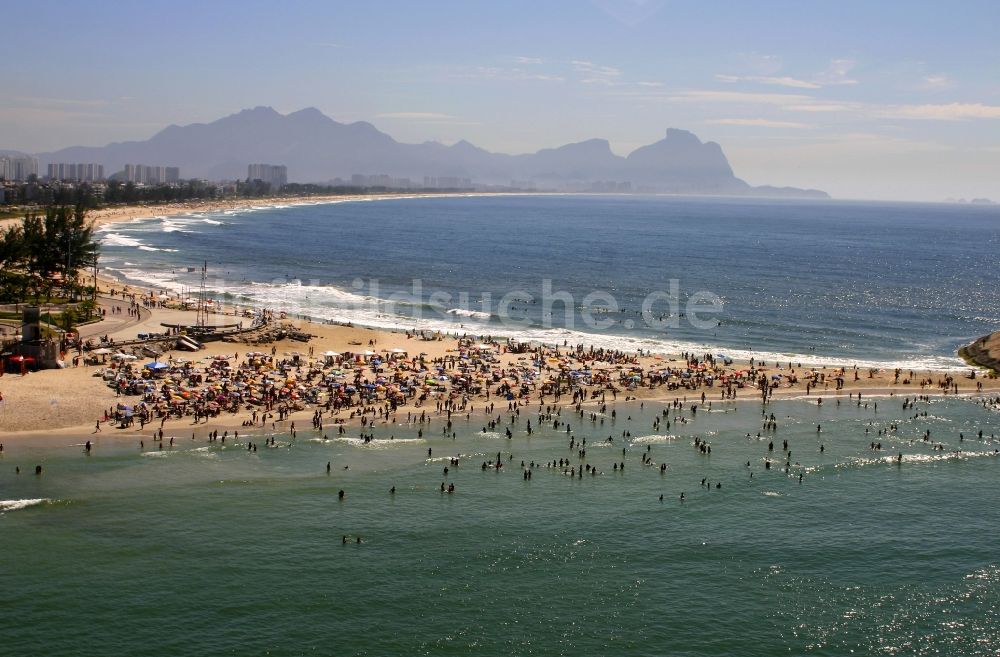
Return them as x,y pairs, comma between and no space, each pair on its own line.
881,284
211,549
202,548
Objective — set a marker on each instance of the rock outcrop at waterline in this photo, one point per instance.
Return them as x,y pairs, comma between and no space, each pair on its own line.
984,352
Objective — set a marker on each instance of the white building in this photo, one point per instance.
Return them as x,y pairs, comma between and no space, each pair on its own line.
17,168
86,172
274,174
155,175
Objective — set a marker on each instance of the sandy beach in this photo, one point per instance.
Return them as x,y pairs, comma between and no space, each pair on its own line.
126,213
72,400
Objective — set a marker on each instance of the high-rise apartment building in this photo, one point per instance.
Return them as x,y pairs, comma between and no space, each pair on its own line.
17,168
274,174
85,172
147,175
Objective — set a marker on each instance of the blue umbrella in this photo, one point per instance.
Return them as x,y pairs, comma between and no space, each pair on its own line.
156,366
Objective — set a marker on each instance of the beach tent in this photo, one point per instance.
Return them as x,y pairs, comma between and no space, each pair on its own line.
156,366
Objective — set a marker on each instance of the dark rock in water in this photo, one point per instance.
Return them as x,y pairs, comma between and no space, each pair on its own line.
984,352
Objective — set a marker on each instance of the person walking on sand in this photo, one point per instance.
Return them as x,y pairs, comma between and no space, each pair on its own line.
97,427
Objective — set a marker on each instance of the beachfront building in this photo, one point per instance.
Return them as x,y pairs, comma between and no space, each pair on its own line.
447,182
276,175
17,168
383,180
611,186
151,175
84,172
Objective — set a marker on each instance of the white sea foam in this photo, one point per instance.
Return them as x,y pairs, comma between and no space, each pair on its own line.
442,459
117,239
117,225
937,457
378,443
654,439
463,312
202,452
157,280
172,227
17,505
295,297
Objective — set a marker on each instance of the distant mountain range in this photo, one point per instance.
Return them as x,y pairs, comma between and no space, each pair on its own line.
315,148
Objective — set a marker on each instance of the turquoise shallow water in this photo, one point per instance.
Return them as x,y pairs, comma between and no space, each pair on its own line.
205,549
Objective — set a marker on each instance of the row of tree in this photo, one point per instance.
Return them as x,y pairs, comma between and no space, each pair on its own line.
45,252
115,192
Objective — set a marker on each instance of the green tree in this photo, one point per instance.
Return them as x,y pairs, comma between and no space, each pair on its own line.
67,319
58,245
13,283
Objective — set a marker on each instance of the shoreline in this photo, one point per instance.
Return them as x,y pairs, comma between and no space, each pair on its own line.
52,404
178,431
134,213
444,322
128,213
67,402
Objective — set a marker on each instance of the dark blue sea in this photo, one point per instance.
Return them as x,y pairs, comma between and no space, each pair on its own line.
840,282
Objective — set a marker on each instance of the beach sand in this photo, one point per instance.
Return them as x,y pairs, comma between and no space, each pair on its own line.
126,213
69,401
57,402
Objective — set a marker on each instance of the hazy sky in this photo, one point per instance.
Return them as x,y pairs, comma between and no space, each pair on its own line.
896,100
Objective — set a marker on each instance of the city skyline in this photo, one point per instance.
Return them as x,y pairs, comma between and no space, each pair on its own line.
893,101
